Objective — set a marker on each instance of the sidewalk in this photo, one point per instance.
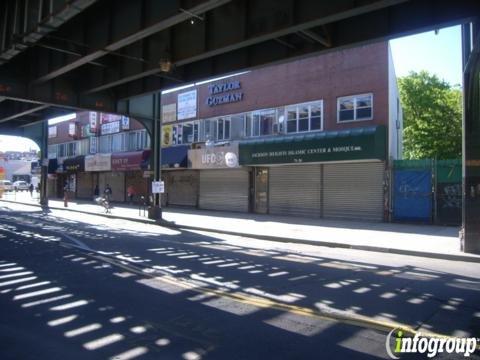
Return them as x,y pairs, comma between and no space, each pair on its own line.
407,239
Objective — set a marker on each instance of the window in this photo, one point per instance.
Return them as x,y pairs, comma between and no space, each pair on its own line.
185,133
304,117
223,128
105,144
355,108
190,132
262,122
52,151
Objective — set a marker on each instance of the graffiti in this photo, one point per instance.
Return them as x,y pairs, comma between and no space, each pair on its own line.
452,196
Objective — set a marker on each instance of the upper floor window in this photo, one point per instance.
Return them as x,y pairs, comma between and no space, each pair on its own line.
223,128
304,117
355,108
216,129
262,122
186,133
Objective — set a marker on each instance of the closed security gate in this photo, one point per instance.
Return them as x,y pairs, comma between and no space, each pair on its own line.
224,190
181,187
295,190
354,191
84,185
116,180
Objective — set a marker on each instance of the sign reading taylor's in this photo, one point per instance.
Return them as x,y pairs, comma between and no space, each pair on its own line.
224,93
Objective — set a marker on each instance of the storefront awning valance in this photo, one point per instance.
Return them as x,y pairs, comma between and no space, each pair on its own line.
353,144
130,161
175,156
75,164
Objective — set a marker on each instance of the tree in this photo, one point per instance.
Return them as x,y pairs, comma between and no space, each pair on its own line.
432,117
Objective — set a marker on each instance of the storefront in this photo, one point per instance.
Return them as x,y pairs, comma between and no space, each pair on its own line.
181,184
331,174
94,166
73,167
223,184
127,170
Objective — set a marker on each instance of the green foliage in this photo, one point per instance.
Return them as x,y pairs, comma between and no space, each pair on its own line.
432,117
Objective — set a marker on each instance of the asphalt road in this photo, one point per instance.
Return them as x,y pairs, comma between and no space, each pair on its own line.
83,287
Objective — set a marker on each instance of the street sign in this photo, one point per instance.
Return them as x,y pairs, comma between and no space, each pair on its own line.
158,187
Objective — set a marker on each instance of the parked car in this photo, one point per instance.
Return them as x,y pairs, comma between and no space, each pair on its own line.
6,185
20,185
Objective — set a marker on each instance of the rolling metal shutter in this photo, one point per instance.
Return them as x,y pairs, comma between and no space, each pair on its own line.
224,190
354,191
295,190
181,187
85,185
116,180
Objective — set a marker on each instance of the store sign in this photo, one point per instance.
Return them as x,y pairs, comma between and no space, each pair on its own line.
108,118
93,144
125,123
76,164
127,161
224,93
72,129
167,135
52,131
98,162
169,113
93,121
338,147
111,128
222,157
187,105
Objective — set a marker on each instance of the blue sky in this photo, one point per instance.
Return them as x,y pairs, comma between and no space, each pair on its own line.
438,53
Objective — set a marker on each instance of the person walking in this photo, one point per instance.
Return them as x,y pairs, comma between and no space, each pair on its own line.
30,188
131,192
107,192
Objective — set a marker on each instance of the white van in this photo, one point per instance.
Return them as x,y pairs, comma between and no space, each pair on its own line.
6,185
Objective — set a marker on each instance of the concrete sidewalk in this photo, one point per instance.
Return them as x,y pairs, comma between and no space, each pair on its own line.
418,240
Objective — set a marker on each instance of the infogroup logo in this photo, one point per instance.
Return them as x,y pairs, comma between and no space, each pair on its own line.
429,345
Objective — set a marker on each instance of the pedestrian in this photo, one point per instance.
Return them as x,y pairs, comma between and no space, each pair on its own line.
131,192
30,188
107,192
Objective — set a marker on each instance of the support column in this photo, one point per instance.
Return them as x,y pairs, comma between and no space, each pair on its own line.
470,240
156,211
44,162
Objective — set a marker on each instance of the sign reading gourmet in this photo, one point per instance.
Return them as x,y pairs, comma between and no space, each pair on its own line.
358,144
187,105
227,95
128,161
98,162
214,158
76,164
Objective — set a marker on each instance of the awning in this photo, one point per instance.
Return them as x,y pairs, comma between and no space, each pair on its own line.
130,161
175,156
76,164
353,144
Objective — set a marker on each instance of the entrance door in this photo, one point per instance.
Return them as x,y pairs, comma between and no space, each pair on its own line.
261,190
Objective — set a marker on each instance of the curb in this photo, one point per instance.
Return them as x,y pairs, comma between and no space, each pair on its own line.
170,224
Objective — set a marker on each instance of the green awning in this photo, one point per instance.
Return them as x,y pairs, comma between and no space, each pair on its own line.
353,144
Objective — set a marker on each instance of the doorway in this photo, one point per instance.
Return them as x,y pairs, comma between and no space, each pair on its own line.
261,191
